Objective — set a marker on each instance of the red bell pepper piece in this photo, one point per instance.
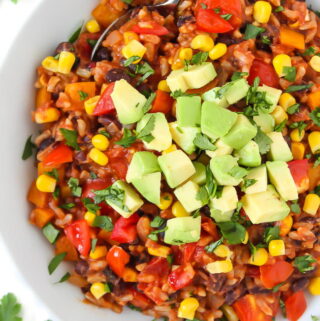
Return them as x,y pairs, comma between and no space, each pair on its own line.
105,104
299,170
78,233
207,20
117,258
125,229
59,155
162,103
265,72
150,28
296,305
181,277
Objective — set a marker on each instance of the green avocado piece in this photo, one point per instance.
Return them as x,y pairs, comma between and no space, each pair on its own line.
265,122
176,81
272,96
216,121
240,133
198,76
184,136
162,139
280,176
176,167
249,155
259,174
236,90
222,149
188,111
183,230
212,96
187,194
279,149
200,176
265,207
142,163
129,107
149,187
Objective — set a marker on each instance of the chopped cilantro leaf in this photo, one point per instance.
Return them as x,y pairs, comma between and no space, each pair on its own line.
147,106
90,206
238,75
180,93
212,246
271,233
145,133
295,207
203,142
54,263
233,232
252,32
279,9
127,139
10,309
131,60
295,88
247,183
290,73
298,124
309,51
28,148
315,116
76,190
279,127
74,37
304,263
293,109
83,95
227,16
157,222
266,40
104,222
71,137
263,141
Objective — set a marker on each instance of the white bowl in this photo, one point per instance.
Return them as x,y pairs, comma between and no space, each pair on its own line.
50,23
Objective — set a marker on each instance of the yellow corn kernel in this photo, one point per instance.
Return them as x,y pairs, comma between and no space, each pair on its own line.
296,135
129,275
178,210
229,313
315,63
90,104
162,251
130,35
314,141
246,238
188,308
314,286
165,201
162,85
225,266
46,116
298,150
98,157
202,42
51,64
219,50
281,61
99,252
259,258
177,64
98,289
295,25
311,204
46,183
93,26
286,225
100,142
279,115
277,247
185,54
286,101
262,11
172,148
222,251
89,217
66,62
134,48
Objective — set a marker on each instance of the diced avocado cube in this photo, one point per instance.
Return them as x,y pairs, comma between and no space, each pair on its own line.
129,106
216,121
199,75
184,136
142,163
265,207
259,174
240,133
272,96
236,90
183,230
265,121
200,176
187,194
176,167
249,155
188,111
131,203
176,81
222,208
222,149
149,187
162,139
222,167
279,149
280,176
213,97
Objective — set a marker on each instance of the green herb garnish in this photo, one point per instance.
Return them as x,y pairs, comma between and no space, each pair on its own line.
157,222
10,309
247,182
289,73
295,207
50,232
147,106
90,205
28,148
127,139
238,75
54,263
315,116
71,137
212,246
76,190
293,109
279,127
279,9
304,263
264,142
233,232
203,142
103,222
252,32
295,88
74,37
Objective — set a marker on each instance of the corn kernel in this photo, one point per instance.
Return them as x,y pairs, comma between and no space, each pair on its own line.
98,157
161,251
51,64
130,35
315,63
162,85
99,252
165,201
286,225
90,104
219,50
129,275
222,251
99,289
89,217
279,115
177,64
262,11
225,266
281,61
172,148
66,62
100,142
314,286
188,308
47,115
277,248
185,54
92,26
286,100
296,135
202,42
134,48
314,141
311,204
246,238
259,258
298,150
46,183
178,210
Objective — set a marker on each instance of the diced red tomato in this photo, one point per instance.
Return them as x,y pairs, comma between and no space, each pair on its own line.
299,170
150,28
162,103
82,45
210,227
95,185
273,274
181,277
207,20
59,155
125,229
139,299
78,233
265,72
120,166
105,104
117,258
296,305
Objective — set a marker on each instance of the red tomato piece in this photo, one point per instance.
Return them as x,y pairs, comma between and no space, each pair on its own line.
150,28
95,185
120,166
125,229
181,277
299,170
296,305
117,258
59,155
78,233
105,104
162,103
187,252
265,72
209,21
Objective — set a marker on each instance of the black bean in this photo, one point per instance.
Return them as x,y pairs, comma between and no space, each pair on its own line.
217,281
45,143
299,284
102,54
259,290
228,39
117,74
85,289
55,96
144,89
111,277
262,46
234,294
80,156
64,46
184,19
81,267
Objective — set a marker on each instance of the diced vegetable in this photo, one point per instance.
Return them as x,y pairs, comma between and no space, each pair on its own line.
117,258
78,233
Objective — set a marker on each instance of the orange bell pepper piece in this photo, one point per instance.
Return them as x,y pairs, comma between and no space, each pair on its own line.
42,97
41,216
37,198
80,92
162,103
105,14
314,100
63,244
292,38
